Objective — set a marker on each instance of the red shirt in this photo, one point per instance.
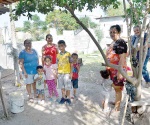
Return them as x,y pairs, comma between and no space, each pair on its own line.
75,71
50,51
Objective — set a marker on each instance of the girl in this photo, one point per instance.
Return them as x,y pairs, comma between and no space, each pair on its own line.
51,77
50,49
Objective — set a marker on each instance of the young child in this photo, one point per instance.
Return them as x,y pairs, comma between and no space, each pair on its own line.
51,77
64,72
40,80
107,87
75,70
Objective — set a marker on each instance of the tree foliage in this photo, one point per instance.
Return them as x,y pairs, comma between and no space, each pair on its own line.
136,10
115,12
61,21
45,6
36,27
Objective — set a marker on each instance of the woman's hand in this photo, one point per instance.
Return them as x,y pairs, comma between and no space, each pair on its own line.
26,75
56,81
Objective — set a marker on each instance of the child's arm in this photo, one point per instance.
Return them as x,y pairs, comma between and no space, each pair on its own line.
71,65
55,72
78,68
44,77
44,83
55,75
36,78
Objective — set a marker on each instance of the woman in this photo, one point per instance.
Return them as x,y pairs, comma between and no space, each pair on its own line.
49,49
135,52
116,54
28,61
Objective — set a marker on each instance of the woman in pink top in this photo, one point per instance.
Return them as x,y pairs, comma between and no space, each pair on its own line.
51,77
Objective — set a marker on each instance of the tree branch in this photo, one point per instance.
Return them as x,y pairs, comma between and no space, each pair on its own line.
118,67
142,57
134,10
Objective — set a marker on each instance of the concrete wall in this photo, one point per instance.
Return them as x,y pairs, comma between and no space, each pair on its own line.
6,61
75,43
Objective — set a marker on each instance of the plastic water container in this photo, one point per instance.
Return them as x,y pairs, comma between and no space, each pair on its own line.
16,102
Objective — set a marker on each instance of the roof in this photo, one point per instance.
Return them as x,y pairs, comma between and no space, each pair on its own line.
6,2
3,9
107,17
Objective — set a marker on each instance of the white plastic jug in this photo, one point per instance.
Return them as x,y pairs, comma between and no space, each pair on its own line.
16,102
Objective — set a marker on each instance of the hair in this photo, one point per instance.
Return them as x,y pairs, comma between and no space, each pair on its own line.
27,40
49,57
74,54
104,74
62,42
118,28
39,67
136,26
48,35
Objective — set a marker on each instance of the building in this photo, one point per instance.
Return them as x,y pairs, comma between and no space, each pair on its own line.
106,23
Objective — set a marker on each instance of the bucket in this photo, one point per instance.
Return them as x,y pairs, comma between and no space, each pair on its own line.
16,102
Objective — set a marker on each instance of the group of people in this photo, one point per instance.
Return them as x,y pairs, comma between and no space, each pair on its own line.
58,70
116,54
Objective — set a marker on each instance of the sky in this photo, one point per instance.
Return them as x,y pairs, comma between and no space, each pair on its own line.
5,20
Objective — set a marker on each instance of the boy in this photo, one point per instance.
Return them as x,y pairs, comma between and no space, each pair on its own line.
75,70
40,80
107,87
64,72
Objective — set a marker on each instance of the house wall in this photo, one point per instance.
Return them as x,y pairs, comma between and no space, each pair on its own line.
106,23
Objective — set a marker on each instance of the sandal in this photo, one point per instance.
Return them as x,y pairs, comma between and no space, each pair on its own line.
112,103
31,100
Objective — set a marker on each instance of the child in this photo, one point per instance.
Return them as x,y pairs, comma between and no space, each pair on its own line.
51,78
40,80
107,87
75,70
64,72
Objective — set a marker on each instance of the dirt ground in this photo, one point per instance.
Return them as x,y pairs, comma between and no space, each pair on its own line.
84,111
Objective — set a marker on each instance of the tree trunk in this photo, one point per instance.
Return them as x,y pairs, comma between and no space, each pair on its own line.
15,51
138,92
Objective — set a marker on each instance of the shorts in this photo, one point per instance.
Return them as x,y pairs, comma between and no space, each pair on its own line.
64,81
106,96
74,83
29,79
40,91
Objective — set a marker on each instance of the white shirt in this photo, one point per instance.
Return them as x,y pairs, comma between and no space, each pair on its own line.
40,83
107,84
